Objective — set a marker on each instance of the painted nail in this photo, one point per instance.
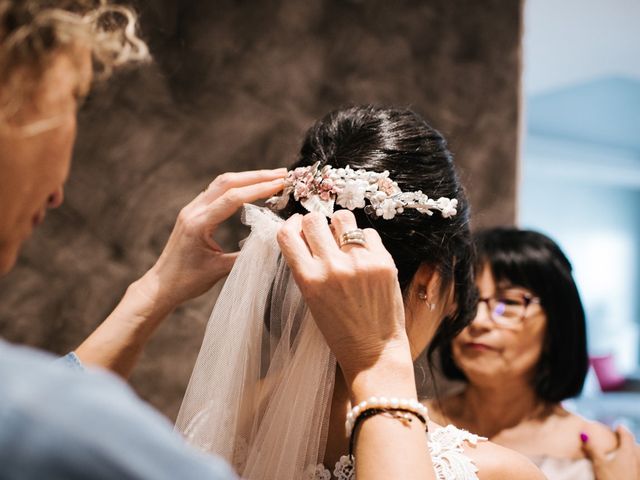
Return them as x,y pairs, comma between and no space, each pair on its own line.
584,438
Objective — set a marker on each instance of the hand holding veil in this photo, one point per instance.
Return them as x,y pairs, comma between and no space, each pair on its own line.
260,391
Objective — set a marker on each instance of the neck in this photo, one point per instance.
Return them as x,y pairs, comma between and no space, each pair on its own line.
492,409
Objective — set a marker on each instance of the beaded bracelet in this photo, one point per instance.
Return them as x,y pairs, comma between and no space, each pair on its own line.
371,412
383,403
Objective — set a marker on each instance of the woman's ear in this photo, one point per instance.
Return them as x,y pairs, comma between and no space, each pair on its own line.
427,308
428,288
426,283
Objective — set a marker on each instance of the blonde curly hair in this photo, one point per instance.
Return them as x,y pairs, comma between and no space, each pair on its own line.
33,31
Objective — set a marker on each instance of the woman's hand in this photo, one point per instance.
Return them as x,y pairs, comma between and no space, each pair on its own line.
621,464
192,262
352,292
355,299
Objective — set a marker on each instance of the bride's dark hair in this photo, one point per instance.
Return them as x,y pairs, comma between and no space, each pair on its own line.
417,158
274,357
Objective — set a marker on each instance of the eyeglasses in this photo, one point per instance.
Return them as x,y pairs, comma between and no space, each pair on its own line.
508,309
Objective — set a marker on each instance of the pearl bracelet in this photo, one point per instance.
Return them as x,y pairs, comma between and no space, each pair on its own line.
384,403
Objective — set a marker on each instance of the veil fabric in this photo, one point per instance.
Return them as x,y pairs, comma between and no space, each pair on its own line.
261,389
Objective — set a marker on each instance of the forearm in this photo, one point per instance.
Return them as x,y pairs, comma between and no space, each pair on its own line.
377,457
118,342
190,264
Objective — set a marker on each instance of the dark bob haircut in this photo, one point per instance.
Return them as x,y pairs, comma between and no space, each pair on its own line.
533,261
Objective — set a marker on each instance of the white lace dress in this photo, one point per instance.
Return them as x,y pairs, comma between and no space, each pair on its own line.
447,453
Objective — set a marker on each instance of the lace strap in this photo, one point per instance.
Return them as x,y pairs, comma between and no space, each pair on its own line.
446,445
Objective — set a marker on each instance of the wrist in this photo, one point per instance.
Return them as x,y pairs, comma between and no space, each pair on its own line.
118,341
392,375
150,302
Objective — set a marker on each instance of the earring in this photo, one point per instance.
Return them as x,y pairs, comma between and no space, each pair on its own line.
423,296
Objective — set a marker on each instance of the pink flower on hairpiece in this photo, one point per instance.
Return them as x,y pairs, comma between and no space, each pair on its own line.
387,186
326,188
301,190
302,180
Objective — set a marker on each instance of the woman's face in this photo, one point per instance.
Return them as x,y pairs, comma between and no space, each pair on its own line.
491,353
35,150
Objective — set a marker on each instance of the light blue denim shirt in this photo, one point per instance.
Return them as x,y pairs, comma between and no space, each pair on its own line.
71,360
61,423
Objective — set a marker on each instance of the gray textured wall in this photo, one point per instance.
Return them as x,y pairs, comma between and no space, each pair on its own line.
235,85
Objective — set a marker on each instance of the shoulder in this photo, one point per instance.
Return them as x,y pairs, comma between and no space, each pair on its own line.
62,421
496,463
600,436
454,450
565,428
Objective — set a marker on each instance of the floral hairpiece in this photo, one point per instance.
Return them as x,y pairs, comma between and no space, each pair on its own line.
318,190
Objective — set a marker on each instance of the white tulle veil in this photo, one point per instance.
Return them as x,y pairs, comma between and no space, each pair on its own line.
260,391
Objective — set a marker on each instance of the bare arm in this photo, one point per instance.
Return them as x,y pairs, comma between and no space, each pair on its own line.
191,263
378,457
118,341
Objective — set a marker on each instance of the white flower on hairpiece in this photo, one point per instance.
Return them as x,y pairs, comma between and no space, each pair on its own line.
387,209
353,193
447,207
318,190
424,204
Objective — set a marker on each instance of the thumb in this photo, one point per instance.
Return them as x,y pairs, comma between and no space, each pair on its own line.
626,442
589,449
226,261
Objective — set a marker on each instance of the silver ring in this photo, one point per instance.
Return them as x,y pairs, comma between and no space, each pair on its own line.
353,237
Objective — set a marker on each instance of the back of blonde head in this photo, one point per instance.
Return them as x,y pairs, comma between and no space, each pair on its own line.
32,32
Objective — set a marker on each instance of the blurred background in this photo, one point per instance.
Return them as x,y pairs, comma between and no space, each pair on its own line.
234,86
540,102
580,175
